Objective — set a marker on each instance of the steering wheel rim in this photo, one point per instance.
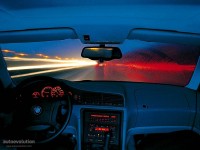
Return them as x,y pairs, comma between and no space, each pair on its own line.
52,110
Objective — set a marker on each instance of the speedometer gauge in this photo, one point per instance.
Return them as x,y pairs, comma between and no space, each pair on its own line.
46,91
57,92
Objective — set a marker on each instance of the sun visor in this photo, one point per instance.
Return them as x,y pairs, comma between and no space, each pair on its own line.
164,36
37,35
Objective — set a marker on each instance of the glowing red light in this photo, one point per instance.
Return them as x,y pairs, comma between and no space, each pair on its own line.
36,95
102,129
113,117
165,64
100,116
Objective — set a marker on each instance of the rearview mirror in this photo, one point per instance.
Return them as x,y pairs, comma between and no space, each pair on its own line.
101,53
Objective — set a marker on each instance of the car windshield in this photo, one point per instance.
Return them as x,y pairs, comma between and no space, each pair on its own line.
148,62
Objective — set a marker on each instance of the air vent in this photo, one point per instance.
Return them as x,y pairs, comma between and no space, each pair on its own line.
100,99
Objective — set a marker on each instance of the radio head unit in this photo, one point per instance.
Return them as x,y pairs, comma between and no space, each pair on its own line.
96,124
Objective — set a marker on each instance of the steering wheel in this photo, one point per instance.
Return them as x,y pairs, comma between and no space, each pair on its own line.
43,108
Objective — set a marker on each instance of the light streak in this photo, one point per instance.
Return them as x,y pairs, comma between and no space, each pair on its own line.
57,57
15,53
41,72
7,51
15,57
21,54
150,72
46,56
159,66
56,63
46,60
42,55
80,64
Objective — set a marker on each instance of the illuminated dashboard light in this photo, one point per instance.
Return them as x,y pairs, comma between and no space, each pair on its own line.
113,117
49,92
102,129
36,95
100,116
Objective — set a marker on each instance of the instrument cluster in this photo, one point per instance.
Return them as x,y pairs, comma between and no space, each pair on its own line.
49,92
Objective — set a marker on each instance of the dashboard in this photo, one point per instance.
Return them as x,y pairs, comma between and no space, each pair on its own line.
96,124
116,112
137,108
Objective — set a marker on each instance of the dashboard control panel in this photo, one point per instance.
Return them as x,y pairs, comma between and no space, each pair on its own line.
99,99
97,124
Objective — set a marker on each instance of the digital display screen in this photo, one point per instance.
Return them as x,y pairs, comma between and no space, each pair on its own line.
103,116
102,129
99,116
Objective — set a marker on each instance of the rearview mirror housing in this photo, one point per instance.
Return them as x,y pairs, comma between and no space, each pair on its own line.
101,53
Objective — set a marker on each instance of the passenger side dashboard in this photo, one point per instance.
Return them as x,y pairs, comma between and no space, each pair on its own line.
140,108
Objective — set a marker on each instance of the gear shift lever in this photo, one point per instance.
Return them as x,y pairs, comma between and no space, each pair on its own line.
107,140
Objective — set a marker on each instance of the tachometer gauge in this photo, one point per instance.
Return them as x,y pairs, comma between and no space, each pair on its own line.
46,92
57,92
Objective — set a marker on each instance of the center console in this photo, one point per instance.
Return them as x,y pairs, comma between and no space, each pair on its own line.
97,125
